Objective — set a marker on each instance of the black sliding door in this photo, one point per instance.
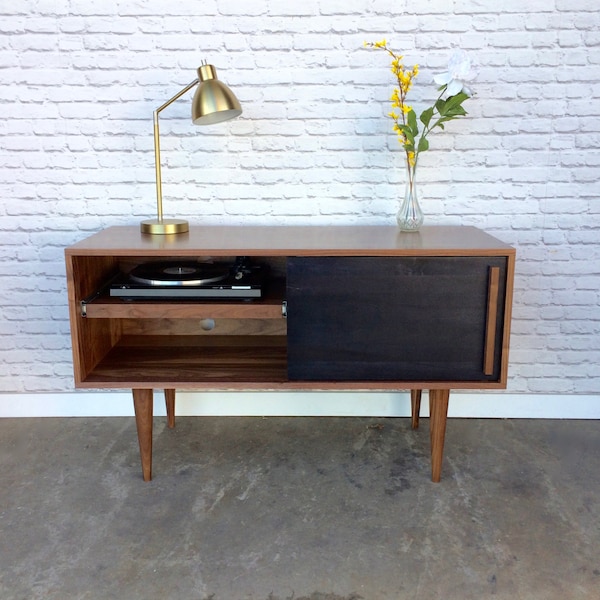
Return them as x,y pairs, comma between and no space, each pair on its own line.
395,318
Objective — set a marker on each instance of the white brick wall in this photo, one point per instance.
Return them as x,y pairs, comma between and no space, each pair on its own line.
81,79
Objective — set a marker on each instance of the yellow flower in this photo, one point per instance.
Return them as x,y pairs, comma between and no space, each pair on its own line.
405,79
397,65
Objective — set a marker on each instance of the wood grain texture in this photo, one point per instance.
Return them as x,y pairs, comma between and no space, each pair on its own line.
415,407
438,412
177,360
114,308
293,240
143,406
195,327
491,320
90,340
170,406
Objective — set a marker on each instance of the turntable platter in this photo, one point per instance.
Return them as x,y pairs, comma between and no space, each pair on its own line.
178,273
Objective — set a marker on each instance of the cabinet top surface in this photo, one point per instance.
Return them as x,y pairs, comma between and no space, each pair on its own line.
292,240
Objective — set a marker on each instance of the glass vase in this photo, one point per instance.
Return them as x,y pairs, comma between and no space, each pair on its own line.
410,216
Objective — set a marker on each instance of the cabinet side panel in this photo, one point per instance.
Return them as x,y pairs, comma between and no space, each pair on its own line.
91,338
391,319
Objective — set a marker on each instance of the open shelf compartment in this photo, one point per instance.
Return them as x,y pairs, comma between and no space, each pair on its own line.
182,360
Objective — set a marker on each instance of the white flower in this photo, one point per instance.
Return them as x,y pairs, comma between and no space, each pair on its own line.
459,71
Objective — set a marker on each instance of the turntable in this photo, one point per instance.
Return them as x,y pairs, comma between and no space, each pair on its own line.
191,280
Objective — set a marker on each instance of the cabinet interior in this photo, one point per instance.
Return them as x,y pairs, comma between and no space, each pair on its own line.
136,342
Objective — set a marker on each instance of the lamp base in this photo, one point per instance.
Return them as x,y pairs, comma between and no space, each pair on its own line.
164,226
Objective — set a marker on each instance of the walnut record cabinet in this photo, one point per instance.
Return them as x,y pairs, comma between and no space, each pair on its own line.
345,308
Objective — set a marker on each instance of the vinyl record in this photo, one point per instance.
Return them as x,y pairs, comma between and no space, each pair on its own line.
178,273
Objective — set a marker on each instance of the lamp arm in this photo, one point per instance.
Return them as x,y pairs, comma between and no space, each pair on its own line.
157,145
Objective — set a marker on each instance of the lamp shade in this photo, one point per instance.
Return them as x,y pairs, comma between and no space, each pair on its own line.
213,101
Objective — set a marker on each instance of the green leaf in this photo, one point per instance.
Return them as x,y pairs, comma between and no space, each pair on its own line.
452,106
456,100
439,122
412,122
407,131
426,116
423,145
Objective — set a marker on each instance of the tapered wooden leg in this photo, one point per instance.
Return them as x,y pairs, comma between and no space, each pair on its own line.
170,402
415,407
142,404
438,413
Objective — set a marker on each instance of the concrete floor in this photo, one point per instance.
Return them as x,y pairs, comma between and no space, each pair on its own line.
299,508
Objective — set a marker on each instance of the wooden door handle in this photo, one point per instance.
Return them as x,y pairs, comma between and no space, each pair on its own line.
490,326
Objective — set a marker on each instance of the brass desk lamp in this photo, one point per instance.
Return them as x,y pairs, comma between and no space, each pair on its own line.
213,102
